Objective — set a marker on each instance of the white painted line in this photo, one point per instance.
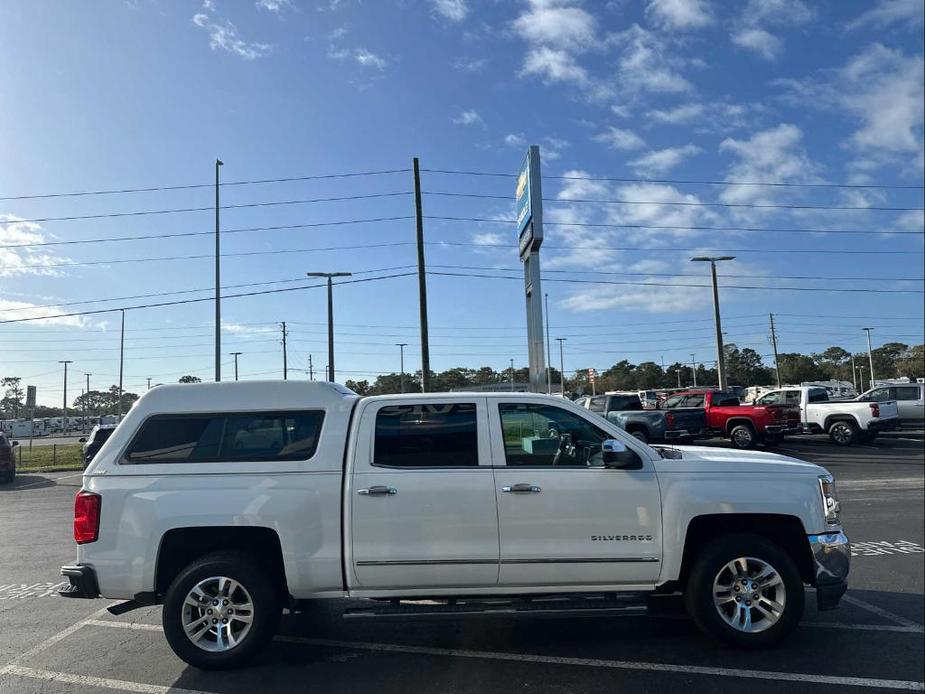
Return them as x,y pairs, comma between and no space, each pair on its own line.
101,682
584,662
49,642
865,627
886,614
912,482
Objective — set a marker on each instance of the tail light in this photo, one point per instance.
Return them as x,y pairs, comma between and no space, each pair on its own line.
874,409
86,517
669,420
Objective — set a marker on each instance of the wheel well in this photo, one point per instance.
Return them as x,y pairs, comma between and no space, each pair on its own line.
182,546
732,423
831,419
637,426
785,531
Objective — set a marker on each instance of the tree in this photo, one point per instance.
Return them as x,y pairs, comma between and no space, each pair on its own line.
886,358
835,363
13,395
744,367
190,379
795,368
911,363
358,387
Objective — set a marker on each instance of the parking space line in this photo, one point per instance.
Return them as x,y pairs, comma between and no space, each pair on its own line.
138,626
49,642
101,682
913,629
886,614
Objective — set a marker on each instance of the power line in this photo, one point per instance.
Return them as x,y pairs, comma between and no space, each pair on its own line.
152,189
676,203
675,248
675,181
679,227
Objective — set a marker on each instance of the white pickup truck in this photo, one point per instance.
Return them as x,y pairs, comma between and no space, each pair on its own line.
845,421
229,502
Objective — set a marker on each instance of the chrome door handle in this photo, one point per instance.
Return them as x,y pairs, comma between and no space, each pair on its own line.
522,488
378,490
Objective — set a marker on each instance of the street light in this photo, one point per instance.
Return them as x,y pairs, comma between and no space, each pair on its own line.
87,404
236,355
870,356
720,357
694,370
401,350
329,276
560,340
64,413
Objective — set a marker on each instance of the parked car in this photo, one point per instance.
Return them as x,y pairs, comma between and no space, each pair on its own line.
225,502
744,425
649,426
910,401
7,459
94,442
845,421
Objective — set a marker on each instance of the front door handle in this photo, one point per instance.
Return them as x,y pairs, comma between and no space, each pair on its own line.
378,490
522,488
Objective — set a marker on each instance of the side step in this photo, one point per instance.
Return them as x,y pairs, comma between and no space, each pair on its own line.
630,605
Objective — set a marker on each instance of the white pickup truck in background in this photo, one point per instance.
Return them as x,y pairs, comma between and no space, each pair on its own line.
845,421
229,502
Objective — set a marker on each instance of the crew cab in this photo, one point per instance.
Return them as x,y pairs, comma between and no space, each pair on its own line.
845,421
909,397
229,502
744,425
628,411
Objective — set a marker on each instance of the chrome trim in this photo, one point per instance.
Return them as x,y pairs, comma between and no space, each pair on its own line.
457,562
426,562
831,557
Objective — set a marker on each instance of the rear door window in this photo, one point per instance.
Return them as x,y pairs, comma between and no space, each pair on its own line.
694,401
725,400
598,404
908,393
426,435
630,403
879,395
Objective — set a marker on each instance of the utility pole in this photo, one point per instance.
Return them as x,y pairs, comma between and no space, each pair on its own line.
422,278
861,377
401,350
285,356
560,340
548,366
236,355
854,374
64,413
121,362
87,403
512,375
149,383
329,276
870,356
694,370
679,375
218,281
311,369
720,356
774,345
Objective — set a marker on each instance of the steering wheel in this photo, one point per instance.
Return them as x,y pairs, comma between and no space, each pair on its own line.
565,446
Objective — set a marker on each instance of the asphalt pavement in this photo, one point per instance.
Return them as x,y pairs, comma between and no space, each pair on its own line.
875,641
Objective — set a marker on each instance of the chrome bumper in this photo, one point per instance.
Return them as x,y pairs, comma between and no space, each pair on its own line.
832,562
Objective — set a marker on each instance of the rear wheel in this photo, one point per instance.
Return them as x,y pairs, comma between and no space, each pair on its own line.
220,611
640,434
745,590
843,433
743,436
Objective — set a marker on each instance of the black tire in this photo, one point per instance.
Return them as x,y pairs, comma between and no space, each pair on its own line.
743,436
640,434
247,571
867,436
699,592
843,433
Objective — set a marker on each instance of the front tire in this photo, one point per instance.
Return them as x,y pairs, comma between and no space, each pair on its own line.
745,590
220,611
843,433
743,436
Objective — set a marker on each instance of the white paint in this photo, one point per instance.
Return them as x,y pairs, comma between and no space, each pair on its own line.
873,548
886,614
900,482
136,626
45,481
101,682
865,627
51,641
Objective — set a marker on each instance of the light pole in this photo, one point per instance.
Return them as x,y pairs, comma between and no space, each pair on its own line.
401,351
512,375
329,276
861,377
870,356
694,370
560,340
549,356
64,413
87,403
236,355
149,383
720,357
218,280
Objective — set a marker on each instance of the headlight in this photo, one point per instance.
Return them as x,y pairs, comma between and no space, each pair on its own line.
829,501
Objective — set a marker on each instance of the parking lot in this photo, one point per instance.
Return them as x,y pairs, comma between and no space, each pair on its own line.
875,640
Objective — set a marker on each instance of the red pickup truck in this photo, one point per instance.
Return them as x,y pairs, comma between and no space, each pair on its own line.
745,425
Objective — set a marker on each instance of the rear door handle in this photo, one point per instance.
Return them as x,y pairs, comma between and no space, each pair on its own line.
378,490
522,488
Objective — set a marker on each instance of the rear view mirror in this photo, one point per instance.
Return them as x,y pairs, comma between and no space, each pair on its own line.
13,444
616,455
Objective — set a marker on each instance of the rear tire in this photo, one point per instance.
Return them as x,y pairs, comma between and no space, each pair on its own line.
843,433
724,580
640,435
229,586
743,436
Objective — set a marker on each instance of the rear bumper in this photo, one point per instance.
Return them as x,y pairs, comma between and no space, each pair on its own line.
831,564
83,582
781,429
883,424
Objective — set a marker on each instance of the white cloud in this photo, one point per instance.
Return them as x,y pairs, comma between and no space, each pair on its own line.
247,330
651,210
888,12
679,14
678,114
21,309
470,64
361,56
645,63
759,41
515,140
659,298
663,160
553,65
578,186
489,238
275,6
553,147
22,260
224,35
454,10
557,23
620,139
470,117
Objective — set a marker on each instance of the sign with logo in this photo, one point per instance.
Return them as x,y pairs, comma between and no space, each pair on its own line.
592,375
522,202
30,397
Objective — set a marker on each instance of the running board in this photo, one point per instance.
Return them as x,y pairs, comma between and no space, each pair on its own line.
630,605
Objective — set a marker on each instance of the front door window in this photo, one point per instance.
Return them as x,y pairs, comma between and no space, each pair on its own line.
548,436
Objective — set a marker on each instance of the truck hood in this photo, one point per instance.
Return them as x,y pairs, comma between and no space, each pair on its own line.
709,459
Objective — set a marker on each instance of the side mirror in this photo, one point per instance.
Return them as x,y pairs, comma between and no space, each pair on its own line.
13,444
82,439
616,455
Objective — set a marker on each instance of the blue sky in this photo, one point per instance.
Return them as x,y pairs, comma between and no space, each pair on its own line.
148,93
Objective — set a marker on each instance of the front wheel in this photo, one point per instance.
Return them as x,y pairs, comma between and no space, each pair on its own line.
220,611
745,590
742,436
843,433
